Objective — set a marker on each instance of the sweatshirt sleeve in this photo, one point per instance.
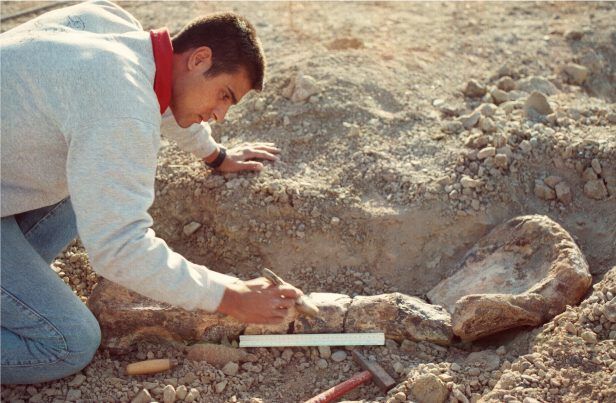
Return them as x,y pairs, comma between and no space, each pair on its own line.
196,139
111,169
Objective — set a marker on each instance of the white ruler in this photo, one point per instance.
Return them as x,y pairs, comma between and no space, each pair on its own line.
318,339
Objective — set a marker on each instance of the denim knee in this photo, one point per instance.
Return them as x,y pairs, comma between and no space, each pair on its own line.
83,342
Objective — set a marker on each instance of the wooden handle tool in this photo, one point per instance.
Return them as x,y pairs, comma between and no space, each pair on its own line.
302,303
150,366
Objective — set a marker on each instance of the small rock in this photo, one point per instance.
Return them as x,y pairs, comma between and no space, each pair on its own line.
576,74
301,88
231,368
563,193
73,395
570,328
474,89
505,83
457,393
192,395
525,146
573,35
190,229
428,388
537,102
610,310
468,182
168,394
589,174
487,125
335,221
499,96
543,191
486,152
552,181
501,160
486,109
220,386
339,356
77,380
321,363
469,121
589,337
596,165
259,105
142,397
452,127
595,189
325,352
181,392
536,84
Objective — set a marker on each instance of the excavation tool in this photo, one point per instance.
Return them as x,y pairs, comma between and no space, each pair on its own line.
303,304
372,371
150,366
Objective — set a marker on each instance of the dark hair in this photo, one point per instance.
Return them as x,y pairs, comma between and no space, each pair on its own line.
234,43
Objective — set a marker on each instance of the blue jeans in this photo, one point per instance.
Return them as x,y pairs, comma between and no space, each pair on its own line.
47,332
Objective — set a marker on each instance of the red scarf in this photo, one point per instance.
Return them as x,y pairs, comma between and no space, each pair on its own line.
163,58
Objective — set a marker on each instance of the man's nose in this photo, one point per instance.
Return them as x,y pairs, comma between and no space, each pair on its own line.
220,113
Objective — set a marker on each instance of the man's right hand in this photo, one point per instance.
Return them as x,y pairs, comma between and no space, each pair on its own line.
258,301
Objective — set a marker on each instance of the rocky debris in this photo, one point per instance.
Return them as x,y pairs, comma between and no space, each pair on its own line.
506,83
499,96
595,181
485,297
400,317
301,87
575,73
537,103
469,121
563,193
191,228
536,84
474,89
142,397
169,394
595,189
553,187
579,341
217,354
429,388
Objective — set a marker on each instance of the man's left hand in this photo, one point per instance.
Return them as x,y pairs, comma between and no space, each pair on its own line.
240,158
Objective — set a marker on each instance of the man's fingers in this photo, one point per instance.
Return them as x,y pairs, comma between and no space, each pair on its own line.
268,148
288,291
264,155
250,166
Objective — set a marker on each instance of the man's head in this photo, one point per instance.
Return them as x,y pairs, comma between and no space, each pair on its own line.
217,60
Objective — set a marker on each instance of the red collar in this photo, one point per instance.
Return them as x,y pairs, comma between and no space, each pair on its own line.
163,58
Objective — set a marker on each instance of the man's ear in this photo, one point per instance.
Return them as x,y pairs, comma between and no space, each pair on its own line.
200,59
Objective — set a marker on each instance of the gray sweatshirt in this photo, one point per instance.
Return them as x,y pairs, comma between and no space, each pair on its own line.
79,118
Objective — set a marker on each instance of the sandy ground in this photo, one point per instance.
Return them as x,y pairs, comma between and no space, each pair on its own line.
368,196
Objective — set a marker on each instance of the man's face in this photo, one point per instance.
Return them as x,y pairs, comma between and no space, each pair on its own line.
198,98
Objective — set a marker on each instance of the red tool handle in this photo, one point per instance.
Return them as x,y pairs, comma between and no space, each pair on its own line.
342,388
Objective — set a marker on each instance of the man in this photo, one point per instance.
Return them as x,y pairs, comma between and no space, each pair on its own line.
83,90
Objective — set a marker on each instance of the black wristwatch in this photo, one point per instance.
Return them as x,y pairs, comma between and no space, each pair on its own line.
222,154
